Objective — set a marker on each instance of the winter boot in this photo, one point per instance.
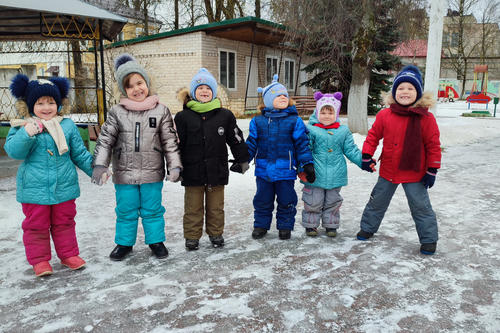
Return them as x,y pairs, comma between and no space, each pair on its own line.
119,252
42,268
363,235
258,233
159,250
331,232
192,244
311,232
285,234
429,248
74,262
217,241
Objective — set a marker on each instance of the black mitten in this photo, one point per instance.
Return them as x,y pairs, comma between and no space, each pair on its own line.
310,173
366,162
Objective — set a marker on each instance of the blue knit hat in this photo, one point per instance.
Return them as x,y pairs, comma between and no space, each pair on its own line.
30,91
203,77
272,91
125,64
410,74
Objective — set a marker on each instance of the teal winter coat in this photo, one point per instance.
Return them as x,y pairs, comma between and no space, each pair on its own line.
328,147
45,177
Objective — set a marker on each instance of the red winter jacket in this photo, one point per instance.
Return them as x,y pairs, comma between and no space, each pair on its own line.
392,127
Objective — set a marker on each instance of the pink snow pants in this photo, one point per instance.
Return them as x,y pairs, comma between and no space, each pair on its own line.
42,221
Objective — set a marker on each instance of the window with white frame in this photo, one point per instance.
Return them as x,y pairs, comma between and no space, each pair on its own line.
289,74
227,69
271,69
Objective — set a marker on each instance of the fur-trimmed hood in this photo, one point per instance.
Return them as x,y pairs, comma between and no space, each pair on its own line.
426,101
291,102
117,93
22,108
184,96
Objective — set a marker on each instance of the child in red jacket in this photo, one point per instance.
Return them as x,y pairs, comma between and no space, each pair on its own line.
410,156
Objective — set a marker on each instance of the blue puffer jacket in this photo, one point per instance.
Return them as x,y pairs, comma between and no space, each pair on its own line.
45,177
328,148
279,144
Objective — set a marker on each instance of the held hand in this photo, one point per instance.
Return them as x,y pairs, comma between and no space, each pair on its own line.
302,176
240,167
100,175
310,173
430,177
174,175
368,163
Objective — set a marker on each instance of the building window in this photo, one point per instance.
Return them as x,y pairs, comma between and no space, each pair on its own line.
289,74
446,39
120,37
227,69
454,39
271,69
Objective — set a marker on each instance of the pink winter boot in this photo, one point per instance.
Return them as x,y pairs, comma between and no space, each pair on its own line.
42,268
74,262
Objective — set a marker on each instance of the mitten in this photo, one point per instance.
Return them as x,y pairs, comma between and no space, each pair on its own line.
240,167
34,127
310,174
100,175
430,177
368,162
173,175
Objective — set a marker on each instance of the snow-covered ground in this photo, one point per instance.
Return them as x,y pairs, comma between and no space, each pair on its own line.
304,284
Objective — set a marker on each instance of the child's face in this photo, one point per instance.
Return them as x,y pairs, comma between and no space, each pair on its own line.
137,89
406,94
327,115
203,93
280,102
45,108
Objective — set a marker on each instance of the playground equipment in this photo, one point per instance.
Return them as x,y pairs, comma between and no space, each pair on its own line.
449,94
476,96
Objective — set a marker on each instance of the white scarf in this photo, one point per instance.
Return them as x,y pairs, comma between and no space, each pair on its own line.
53,126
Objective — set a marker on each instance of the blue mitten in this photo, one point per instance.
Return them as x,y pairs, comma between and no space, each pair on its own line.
430,177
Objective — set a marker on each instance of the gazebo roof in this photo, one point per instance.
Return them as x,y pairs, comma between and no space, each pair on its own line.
72,19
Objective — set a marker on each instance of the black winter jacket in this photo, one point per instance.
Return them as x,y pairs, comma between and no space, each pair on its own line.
203,138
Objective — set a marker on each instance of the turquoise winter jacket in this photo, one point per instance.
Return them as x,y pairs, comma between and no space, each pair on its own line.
328,147
45,177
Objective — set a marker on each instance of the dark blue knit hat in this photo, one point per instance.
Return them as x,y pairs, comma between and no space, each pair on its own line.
410,74
30,91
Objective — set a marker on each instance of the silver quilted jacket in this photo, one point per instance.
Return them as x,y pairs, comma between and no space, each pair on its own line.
138,142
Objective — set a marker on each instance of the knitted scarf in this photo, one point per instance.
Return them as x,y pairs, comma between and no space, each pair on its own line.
204,107
52,126
334,125
147,104
412,146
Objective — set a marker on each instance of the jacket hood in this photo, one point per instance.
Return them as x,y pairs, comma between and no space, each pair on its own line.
426,101
314,120
290,109
22,108
183,95
117,93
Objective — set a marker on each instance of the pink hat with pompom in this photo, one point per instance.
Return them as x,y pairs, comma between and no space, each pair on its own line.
328,99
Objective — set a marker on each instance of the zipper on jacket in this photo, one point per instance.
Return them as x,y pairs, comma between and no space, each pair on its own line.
137,136
290,160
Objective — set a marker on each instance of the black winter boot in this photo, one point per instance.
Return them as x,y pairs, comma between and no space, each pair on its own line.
258,233
159,250
331,232
217,241
192,244
119,252
311,232
429,248
363,235
285,234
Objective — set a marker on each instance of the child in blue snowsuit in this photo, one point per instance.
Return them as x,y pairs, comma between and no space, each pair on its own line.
278,142
329,142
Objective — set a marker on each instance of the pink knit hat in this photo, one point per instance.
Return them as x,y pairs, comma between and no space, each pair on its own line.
328,99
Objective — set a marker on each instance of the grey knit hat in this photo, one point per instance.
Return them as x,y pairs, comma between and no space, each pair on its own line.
125,64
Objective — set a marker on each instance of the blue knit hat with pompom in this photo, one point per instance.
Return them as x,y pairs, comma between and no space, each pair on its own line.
272,91
125,64
410,74
30,91
203,77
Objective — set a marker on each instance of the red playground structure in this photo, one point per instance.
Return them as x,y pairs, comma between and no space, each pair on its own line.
449,94
476,96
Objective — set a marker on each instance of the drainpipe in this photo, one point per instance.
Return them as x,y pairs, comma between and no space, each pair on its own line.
249,69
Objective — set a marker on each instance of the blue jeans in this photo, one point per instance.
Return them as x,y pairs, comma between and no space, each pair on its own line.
263,202
133,201
420,207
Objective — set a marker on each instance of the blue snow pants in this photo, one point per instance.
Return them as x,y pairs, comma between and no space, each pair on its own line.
134,201
420,207
263,202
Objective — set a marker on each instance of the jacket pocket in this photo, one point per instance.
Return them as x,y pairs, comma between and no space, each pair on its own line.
119,159
193,134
